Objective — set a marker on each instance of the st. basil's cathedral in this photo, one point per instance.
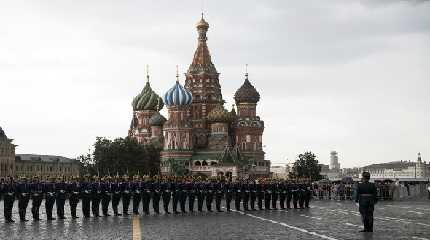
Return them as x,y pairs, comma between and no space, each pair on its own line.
199,135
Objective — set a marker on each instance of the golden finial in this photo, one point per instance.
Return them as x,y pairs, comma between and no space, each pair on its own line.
147,73
246,71
177,73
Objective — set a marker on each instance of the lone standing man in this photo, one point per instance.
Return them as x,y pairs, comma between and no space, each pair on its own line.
366,198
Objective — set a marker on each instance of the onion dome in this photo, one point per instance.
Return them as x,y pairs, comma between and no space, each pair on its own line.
178,95
247,93
202,23
219,114
147,100
157,120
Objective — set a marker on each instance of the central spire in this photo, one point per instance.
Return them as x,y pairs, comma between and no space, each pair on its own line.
202,62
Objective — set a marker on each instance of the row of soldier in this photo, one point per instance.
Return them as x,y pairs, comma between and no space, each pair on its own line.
93,192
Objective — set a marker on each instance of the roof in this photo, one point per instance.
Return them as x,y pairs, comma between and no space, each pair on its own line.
391,165
44,158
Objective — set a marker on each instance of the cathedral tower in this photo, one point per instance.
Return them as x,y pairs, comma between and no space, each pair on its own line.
178,129
203,82
145,105
248,128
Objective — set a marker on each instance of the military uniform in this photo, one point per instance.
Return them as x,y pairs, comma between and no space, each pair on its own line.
146,196
253,196
295,193
367,198
36,189
96,197
260,195
237,195
116,196
73,190
125,193
9,198
106,196
267,196
135,189
165,194
85,190
289,195
209,194
228,195
60,198
23,194
245,195
282,194
200,196
155,192
274,190
191,192
182,196
219,193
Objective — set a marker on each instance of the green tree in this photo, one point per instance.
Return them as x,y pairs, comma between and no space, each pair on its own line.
306,166
122,156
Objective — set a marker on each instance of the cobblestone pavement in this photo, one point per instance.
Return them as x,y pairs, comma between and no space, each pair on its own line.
324,220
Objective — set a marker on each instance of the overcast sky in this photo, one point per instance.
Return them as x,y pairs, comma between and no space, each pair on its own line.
351,76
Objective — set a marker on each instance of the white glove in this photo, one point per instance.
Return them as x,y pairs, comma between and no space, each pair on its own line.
357,204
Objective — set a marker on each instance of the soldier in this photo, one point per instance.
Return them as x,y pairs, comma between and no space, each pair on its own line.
60,197
165,194
200,195
282,194
302,195
106,195
146,195
274,190
295,193
125,190
218,195
267,195
85,189
209,194
253,191
23,194
155,192
73,190
36,189
228,195
260,195
289,194
182,195
366,198
135,189
245,195
116,195
175,195
191,190
9,198
237,195
308,195
95,196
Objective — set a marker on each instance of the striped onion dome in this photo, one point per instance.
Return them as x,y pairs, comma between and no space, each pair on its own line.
147,100
178,96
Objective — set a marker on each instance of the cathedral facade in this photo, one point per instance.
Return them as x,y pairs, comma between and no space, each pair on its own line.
200,136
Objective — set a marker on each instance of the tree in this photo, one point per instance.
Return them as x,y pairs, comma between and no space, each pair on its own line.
121,156
306,166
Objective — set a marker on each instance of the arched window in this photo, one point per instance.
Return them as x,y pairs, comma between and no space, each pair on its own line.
197,163
204,163
213,163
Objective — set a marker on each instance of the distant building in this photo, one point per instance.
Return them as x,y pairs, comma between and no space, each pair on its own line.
29,165
334,161
7,155
399,170
279,171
